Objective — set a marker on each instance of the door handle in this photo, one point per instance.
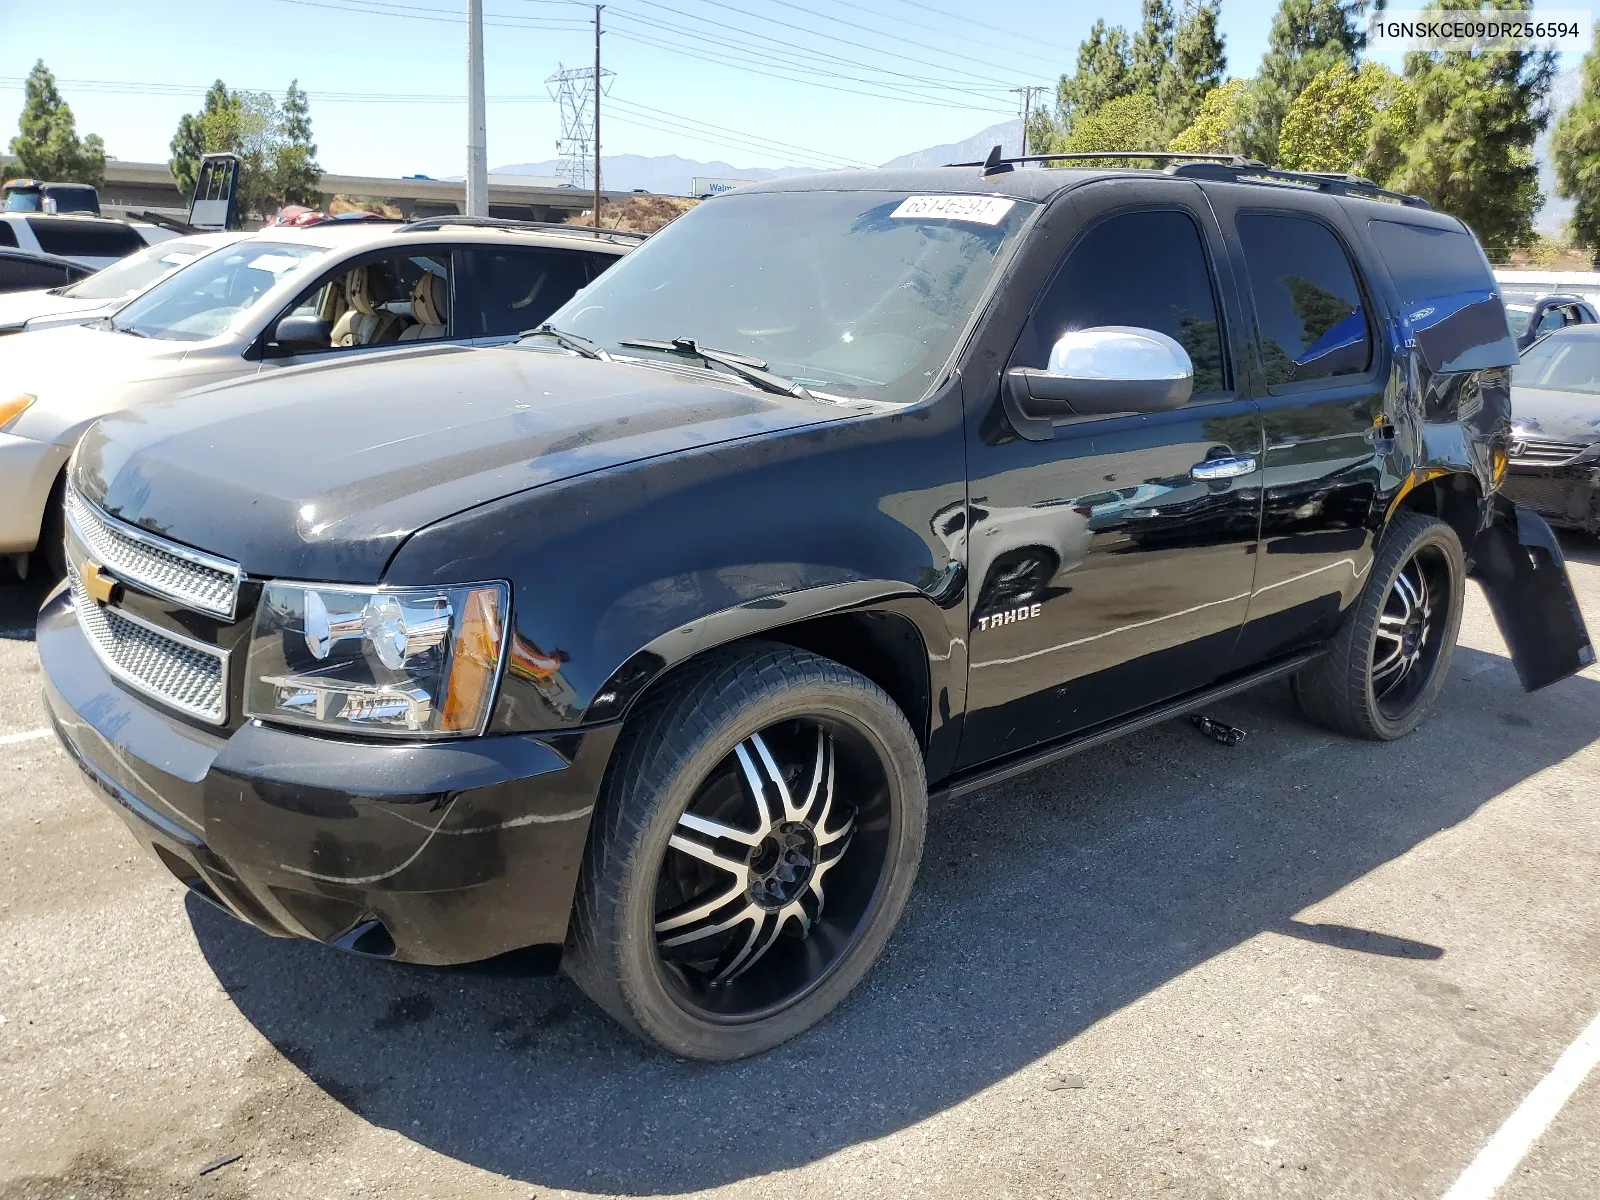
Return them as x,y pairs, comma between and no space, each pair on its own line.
1214,469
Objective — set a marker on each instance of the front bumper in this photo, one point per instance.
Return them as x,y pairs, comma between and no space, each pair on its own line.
1567,497
439,852
28,470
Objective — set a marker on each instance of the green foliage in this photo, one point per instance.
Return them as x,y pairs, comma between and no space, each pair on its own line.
47,145
1216,122
1477,115
1329,126
1105,71
1151,70
1129,122
1308,37
1576,151
1200,63
277,159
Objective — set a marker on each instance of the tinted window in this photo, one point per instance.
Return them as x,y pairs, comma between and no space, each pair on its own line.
20,274
515,289
8,235
1308,307
1427,263
1146,269
91,239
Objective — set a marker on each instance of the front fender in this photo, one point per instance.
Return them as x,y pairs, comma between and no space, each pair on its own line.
1519,562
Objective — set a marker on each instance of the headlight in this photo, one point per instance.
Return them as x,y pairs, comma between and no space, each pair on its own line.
13,408
407,662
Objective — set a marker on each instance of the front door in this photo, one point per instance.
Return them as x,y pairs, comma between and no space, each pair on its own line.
1109,567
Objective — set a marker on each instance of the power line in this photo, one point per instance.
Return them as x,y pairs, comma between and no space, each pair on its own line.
1026,37
916,88
133,87
788,147
925,101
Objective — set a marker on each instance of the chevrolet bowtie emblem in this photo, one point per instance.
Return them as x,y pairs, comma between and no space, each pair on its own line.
97,583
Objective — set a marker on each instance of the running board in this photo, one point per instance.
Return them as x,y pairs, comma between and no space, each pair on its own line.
993,773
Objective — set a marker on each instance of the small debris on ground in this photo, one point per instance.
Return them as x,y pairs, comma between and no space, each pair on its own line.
1064,1082
218,1163
1228,735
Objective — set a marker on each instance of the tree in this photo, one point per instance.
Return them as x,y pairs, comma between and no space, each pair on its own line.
1477,115
1128,122
47,144
277,159
1105,71
1216,122
1576,154
189,142
1151,68
296,168
1330,124
1308,37
1199,61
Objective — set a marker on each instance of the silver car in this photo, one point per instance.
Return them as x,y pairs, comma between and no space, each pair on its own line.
283,297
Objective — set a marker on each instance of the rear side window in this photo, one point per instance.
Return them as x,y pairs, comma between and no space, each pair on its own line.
515,289
1308,305
1447,296
1147,269
17,275
8,235
89,239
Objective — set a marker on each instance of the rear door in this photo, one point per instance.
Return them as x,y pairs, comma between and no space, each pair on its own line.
1103,576
507,290
1318,376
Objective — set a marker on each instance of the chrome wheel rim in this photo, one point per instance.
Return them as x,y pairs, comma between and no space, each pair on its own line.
1410,634
771,870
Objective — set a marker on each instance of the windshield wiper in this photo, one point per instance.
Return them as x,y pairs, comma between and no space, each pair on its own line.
751,369
567,341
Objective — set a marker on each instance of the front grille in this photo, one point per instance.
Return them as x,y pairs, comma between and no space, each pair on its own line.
184,674
1544,452
1548,495
196,580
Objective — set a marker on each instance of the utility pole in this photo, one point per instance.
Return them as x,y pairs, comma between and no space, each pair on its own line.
1027,105
477,125
597,9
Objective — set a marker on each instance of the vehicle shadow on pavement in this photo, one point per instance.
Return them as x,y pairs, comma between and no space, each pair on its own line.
1043,906
19,606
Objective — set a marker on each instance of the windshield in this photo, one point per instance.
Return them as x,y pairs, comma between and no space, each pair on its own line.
21,201
136,272
860,294
200,303
1562,364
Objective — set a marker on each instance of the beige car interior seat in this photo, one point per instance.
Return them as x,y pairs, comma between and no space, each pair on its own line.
365,324
430,309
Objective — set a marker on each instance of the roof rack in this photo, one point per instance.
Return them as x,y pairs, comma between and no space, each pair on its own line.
508,223
1234,168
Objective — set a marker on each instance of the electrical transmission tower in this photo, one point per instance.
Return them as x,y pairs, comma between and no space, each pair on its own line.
573,92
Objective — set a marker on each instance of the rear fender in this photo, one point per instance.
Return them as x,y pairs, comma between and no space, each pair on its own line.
1519,562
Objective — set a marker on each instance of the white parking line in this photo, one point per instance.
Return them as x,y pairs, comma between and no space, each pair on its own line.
1516,1137
12,738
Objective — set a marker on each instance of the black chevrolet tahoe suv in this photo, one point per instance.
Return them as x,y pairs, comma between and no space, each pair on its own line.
652,636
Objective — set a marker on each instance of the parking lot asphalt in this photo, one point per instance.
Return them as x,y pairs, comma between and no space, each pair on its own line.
1301,966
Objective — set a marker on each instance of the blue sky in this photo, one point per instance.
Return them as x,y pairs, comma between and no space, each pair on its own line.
751,82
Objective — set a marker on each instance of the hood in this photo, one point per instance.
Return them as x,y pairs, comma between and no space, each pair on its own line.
322,472
75,357
1561,416
17,307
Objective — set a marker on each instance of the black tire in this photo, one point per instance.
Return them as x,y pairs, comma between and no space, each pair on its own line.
50,554
1354,689
684,745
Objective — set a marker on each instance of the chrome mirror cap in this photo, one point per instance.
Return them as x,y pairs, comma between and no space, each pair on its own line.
1122,352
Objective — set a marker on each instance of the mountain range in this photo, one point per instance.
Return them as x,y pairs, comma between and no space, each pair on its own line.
671,175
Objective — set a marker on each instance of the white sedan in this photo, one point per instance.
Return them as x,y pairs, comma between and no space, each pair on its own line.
106,290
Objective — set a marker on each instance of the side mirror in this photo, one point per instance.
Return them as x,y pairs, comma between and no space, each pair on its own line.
1098,372
302,333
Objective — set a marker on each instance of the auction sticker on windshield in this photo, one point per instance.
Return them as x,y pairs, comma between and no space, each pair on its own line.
980,210
277,264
